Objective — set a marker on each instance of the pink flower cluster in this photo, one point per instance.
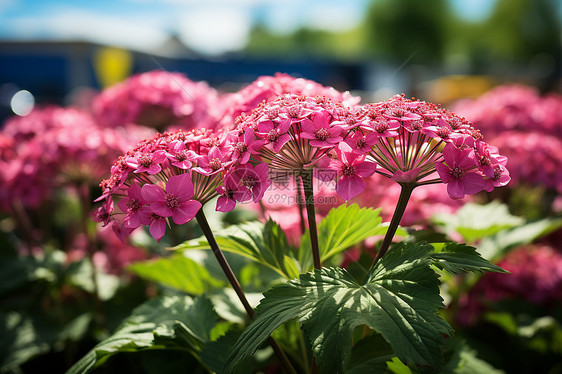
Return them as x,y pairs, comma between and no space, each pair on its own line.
514,107
160,100
526,127
171,175
265,87
536,276
411,140
56,147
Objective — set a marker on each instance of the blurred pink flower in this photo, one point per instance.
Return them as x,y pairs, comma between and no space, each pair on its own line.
158,99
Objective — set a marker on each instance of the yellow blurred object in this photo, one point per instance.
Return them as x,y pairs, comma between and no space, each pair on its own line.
454,87
112,65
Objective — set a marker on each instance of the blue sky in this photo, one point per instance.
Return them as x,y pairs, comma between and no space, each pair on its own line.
209,26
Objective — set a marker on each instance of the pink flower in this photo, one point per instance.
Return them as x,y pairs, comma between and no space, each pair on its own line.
231,192
180,156
213,162
351,168
244,147
149,163
134,205
252,180
319,130
276,136
362,144
156,225
175,202
457,171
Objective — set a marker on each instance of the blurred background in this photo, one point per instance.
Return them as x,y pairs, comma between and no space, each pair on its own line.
61,52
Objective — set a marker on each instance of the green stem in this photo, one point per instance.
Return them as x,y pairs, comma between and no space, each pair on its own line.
202,220
306,178
403,199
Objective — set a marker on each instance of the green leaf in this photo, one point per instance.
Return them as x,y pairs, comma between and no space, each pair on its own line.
369,355
496,246
178,322
456,258
461,359
475,221
177,272
263,243
343,227
399,301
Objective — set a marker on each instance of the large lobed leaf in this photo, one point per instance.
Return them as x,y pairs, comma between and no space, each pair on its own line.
174,322
399,300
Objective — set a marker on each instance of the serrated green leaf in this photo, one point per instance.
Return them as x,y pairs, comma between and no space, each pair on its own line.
343,227
399,301
263,243
178,272
456,258
178,322
476,221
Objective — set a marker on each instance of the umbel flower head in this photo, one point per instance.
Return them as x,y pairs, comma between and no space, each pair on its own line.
265,87
171,176
292,133
416,142
158,99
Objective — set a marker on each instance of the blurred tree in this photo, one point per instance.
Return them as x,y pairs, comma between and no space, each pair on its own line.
408,29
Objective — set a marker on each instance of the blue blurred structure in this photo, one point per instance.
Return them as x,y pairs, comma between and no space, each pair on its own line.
51,70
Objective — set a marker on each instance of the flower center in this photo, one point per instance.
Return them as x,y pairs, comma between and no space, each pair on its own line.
293,112
133,205
241,147
497,173
485,160
145,161
443,132
272,135
172,201
381,127
181,155
416,125
348,170
272,113
361,142
322,134
457,173
249,181
215,164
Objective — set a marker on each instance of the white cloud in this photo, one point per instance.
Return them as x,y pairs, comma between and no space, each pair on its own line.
214,30
138,33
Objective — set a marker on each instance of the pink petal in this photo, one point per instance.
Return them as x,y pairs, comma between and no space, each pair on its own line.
308,126
181,186
224,204
365,169
161,209
152,193
157,228
349,187
186,212
444,172
265,126
473,183
455,189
